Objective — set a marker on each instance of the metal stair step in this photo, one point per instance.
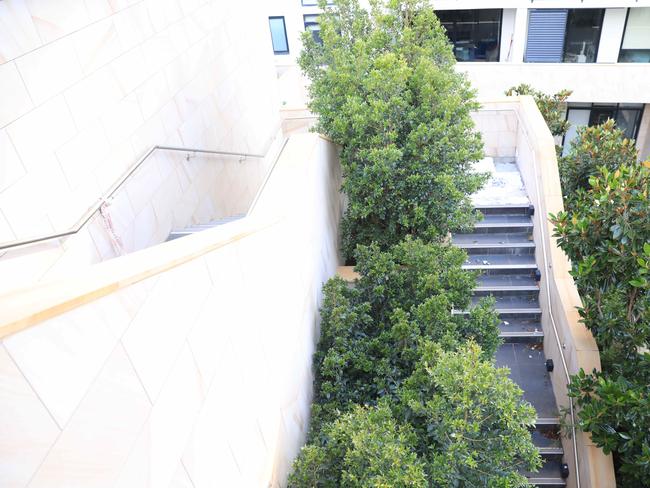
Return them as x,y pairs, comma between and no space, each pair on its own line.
547,421
502,223
493,240
505,209
500,261
524,280
497,247
225,220
551,451
175,234
547,482
549,475
511,305
547,440
505,221
505,313
510,337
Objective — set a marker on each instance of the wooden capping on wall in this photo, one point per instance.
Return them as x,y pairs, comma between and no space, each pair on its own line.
537,162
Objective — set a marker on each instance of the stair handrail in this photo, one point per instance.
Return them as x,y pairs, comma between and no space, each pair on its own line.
542,228
555,331
85,218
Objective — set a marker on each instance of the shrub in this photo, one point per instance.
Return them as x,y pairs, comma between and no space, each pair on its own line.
365,448
471,421
595,147
606,234
607,238
614,410
370,333
552,107
384,87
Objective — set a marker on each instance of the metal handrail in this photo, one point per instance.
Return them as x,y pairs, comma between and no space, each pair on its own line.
547,266
83,220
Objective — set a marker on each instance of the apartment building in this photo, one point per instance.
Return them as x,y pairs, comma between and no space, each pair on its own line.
599,49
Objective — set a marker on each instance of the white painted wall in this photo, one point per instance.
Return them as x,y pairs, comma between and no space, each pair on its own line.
199,376
611,35
520,35
86,87
476,4
507,34
605,83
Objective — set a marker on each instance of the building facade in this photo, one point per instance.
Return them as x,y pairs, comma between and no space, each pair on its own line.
598,49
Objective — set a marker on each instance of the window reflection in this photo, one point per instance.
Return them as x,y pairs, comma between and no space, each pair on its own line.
475,34
583,35
279,35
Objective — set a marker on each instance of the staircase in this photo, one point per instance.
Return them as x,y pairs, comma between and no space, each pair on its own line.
502,247
175,234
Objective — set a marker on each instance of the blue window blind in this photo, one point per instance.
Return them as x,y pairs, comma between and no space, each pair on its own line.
546,32
279,35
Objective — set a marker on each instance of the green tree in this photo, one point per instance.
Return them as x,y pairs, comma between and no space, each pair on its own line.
365,448
615,410
594,147
552,107
606,234
458,422
472,425
370,333
607,238
384,87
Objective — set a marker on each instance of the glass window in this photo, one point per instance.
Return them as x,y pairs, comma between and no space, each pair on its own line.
577,117
563,35
600,114
627,117
583,35
311,24
314,3
475,34
279,35
636,40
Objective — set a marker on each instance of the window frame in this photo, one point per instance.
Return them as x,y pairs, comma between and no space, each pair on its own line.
286,38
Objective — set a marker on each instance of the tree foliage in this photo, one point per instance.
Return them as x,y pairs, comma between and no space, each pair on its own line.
472,424
364,448
384,87
606,234
615,410
456,422
594,147
607,238
552,107
370,333
394,380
